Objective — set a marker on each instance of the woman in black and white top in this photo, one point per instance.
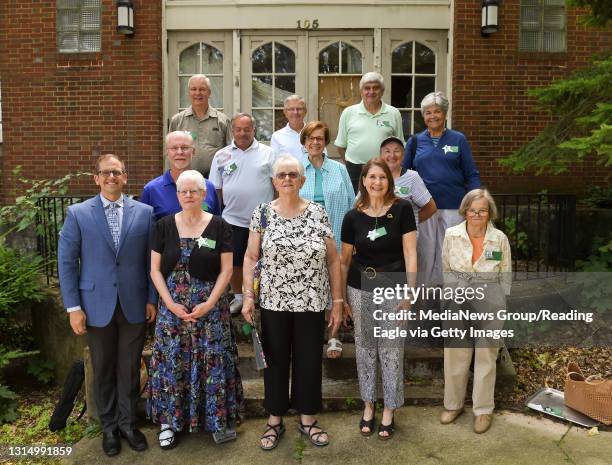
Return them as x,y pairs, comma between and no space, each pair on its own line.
378,250
299,264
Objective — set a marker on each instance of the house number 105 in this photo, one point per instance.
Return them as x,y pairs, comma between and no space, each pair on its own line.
306,24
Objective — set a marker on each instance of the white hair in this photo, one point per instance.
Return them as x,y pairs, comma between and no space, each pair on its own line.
294,97
179,133
191,175
199,76
371,76
437,99
285,157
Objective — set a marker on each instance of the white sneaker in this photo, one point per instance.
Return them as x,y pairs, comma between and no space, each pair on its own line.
236,306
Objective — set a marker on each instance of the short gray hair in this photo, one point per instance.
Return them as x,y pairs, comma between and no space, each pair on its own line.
285,157
371,76
477,194
177,133
436,98
299,98
199,76
191,175
243,115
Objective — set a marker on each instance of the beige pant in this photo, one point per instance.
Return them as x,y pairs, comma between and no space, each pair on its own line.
456,372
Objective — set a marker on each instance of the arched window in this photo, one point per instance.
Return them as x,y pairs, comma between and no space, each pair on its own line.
201,58
413,76
340,58
273,79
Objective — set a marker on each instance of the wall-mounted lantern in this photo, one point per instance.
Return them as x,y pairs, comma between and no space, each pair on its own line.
490,17
125,17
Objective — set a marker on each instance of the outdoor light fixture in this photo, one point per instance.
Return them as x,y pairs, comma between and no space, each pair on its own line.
490,18
125,17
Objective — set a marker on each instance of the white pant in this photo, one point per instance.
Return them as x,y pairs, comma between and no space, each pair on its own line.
429,245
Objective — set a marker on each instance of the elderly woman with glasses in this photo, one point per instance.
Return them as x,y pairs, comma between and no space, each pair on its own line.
194,380
475,254
363,126
328,184
378,238
293,240
443,159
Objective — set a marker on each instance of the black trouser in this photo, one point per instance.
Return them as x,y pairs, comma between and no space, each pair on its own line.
354,171
115,354
296,340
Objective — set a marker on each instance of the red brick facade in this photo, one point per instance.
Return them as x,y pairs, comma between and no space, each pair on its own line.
490,102
60,111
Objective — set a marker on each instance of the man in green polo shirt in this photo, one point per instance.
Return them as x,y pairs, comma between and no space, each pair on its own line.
209,128
365,125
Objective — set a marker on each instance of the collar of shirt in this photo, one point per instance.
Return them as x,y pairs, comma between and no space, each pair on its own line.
363,109
106,202
210,113
290,130
324,166
168,181
490,235
253,146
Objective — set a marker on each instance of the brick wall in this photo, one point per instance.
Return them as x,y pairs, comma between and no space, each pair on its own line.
60,111
490,103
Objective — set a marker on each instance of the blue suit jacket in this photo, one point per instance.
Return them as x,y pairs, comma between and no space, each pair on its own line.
93,274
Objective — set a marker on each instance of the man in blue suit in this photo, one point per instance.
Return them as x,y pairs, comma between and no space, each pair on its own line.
103,260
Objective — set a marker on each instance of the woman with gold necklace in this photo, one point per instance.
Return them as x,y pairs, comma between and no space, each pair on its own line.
378,241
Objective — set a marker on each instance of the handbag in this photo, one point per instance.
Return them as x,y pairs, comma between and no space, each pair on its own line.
591,395
263,224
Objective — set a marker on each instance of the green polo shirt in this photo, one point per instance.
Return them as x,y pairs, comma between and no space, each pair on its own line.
210,134
361,133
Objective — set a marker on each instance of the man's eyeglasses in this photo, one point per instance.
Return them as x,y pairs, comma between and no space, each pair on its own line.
283,175
107,173
182,148
189,192
472,212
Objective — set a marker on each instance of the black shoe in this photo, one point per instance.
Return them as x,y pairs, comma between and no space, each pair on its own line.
135,439
111,444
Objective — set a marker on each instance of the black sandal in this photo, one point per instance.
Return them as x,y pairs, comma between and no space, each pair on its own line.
313,437
170,441
275,437
389,429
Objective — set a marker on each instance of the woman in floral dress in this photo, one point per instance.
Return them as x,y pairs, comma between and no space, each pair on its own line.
194,381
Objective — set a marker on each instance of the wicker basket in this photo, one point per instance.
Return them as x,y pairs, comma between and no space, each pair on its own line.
591,396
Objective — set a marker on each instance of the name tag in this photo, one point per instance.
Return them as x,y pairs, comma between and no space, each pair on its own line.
493,255
229,169
383,124
206,242
401,190
376,233
450,148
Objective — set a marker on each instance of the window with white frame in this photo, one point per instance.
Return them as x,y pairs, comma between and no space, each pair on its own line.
78,26
542,26
201,58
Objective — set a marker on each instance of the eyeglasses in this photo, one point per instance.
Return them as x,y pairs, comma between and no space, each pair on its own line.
189,192
472,212
182,148
108,173
315,139
291,174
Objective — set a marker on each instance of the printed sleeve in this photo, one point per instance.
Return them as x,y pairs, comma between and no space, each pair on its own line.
255,225
324,224
347,233
226,236
407,223
341,138
158,238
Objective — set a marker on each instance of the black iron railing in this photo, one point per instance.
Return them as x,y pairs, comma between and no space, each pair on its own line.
541,229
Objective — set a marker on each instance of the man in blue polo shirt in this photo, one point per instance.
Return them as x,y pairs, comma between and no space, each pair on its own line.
160,193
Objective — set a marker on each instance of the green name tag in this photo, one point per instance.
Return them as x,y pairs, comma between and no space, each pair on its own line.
493,255
206,242
194,135
205,207
450,148
229,169
401,190
376,233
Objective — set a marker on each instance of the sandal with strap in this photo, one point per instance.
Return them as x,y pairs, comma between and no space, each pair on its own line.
389,429
370,424
313,437
334,345
168,440
278,431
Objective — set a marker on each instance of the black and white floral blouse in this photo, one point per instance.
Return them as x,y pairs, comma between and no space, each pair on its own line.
294,275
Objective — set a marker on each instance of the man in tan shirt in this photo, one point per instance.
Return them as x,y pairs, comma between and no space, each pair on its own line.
209,128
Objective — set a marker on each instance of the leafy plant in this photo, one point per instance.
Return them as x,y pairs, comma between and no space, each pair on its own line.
298,449
350,403
8,397
597,197
508,226
41,369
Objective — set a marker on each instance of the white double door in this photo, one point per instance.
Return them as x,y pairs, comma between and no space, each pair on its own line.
254,71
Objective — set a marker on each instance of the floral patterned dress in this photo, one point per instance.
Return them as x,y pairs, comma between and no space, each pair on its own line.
194,380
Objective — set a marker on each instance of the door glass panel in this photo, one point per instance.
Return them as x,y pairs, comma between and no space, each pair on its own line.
411,80
273,72
351,59
329,59
201,58
424,59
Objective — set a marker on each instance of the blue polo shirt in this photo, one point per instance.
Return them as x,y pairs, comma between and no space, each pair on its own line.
447,169
160,193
